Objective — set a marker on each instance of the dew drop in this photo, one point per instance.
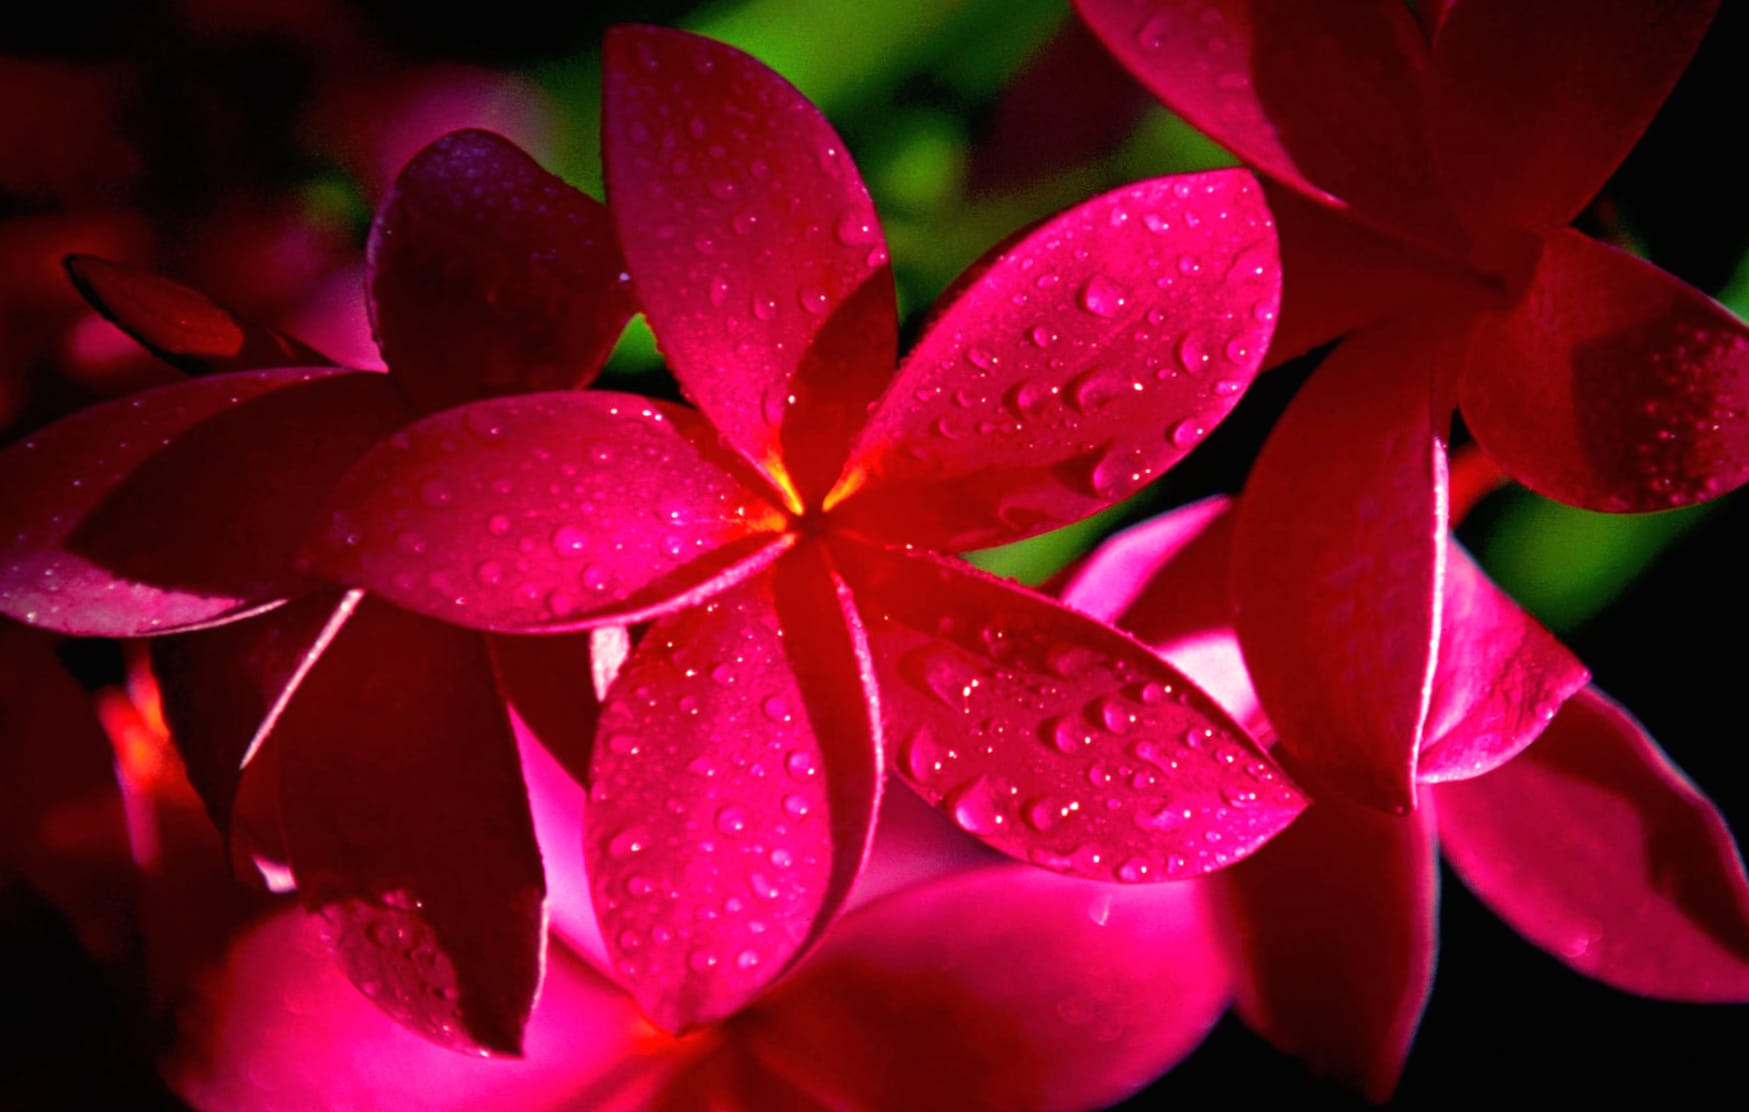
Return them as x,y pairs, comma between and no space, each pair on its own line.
628,843
488,573
1041,336
731,820
777,708
1187,432
1103,297
800,764
570,541
977,808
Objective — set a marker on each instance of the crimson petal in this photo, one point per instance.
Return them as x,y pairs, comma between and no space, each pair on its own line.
1337,559
1052,737
547,512
180,506
409,828
489,275
547,682
1611,385
1335,931
1082,361
733,795
1595,847
753,247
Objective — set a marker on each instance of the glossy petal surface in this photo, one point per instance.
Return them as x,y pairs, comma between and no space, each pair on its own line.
1611,385
489,275
1595,847
753,246
1053,738
1337,555
1336,927
733,793
409,829
180,506
1082,361
547,511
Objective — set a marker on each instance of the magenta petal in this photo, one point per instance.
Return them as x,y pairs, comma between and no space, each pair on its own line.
1336,930
547,682
733,792
1500,679
1531,106
1002,988
1078,364
1596,848
409,828
1611,385
1052,737
547,511
489,275
180,506
182,326
1337,560
753,247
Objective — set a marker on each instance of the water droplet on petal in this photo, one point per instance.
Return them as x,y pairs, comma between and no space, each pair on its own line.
1103,297
1186,433
731,820
977,808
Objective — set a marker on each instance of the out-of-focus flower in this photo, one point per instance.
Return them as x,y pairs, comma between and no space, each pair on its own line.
1425,183
781,535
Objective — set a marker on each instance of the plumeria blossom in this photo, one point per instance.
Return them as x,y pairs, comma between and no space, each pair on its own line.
781,534
346,746
1424,180
1589,842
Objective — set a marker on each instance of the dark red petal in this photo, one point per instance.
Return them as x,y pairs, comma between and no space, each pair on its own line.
1082,361
1052,737
489,275
548,511
1002,988
753,247
181,506
547,681
1335,931
1324,98
1596,848
409,828
182,326
1532,106
1500,678
1337,559
1611,385
733,792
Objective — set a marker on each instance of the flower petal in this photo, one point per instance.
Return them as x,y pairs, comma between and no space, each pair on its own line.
1532,106
733,794
1338,554
1051,737
1336,930
180,506
1002,988
409,828
1500,678
1595,847
1611,385
545,680
489,275
1324,98
183,326
546,512
1080,362
753,246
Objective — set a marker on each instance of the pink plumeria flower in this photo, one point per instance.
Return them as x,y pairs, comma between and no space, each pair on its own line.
807,638
1425,184
350,748
1589,843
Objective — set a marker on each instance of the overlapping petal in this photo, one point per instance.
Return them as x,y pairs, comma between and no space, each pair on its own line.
1078,364
547,512
547,682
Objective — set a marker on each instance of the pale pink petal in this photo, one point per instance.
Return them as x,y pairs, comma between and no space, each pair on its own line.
1337,558
753,247
1052,737
733,791
1610,384
489,275
546,512
1335,931
1002,988
181,506
1080,362
1500,678
409,829
556,801
1595,847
